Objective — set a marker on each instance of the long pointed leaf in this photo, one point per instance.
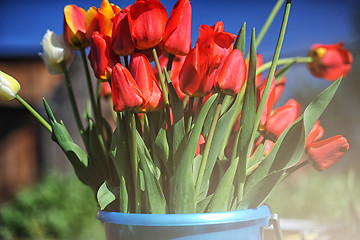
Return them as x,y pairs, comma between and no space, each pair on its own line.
183,197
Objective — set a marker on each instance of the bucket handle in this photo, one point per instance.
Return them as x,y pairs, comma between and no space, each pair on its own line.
274,220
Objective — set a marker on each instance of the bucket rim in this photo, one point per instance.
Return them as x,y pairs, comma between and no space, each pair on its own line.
185,219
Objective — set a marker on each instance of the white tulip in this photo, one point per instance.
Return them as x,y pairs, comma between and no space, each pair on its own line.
55,52
9,87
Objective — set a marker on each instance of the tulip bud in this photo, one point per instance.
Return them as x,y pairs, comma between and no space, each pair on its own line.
270,100
230,76
126,94
330,61
177,36
100,20
192,77
74,27
145,79
325,153
101,56
281,119
9,87
55,52
122,43
147,21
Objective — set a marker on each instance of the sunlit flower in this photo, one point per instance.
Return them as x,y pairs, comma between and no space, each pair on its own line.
55,52
9,87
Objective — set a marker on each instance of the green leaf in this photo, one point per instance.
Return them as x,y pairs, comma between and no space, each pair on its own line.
254,196
289,147
248,115
157,202
282,151
161,147
240,40
74,153
202,205
183,197
105,195
318,105
217,143
223,190
178,136
123,196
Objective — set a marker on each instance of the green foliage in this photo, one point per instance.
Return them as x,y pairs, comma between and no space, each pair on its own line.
46,211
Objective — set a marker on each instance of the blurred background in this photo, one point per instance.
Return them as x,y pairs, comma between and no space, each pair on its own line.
39,194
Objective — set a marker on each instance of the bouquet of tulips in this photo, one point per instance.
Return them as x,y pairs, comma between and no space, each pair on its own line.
196,130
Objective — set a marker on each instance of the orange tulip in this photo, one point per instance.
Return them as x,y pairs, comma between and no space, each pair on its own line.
122,43
281,118
147,21
101,56
145,79
126,94
177,36
100,19
74,27
230,75
330,61
325,153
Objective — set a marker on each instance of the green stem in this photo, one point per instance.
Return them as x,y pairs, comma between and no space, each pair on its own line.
284,61
208,145
35,113
88,79
272,68
190,114
98,118
134,163
72,100
267,24
161,76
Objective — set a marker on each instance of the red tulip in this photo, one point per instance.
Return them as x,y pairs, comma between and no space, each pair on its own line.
105,89
230,76
330,61
147,21
177,36
259,63
325,153
144,77
74,27
270,100
315,134
279,88
282,118
126,94
122,42
193,77
101,56
214,37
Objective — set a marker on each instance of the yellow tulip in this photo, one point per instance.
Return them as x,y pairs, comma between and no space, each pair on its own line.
9,87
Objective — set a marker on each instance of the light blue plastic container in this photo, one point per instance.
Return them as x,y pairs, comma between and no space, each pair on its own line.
235,225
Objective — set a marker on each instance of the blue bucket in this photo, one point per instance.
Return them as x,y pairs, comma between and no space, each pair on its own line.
234,225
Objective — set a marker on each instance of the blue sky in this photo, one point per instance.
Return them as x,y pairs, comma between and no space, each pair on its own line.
23,23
